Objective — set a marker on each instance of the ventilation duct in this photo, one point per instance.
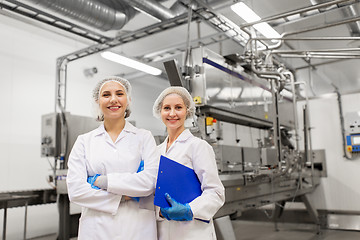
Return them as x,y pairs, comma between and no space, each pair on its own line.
153,8
89,12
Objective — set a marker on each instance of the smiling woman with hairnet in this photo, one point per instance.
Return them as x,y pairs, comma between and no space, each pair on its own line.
112,170
192,220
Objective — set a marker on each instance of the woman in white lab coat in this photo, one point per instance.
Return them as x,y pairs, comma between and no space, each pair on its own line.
104,177
192,220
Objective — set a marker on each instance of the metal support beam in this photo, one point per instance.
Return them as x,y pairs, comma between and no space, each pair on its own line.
312,211
224,228
278,211
64,217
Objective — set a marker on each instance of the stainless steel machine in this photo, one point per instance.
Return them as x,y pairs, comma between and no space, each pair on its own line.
58,134
251,121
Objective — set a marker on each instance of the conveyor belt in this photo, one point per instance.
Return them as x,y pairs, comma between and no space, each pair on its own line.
29,197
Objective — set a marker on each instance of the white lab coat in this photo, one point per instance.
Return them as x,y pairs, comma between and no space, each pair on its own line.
104,214
196,154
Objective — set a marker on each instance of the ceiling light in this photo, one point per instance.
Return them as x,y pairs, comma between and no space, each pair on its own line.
249,16
131,63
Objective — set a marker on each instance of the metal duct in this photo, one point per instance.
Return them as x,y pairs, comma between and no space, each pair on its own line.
178,8
349,11
89,12
353,11
153,8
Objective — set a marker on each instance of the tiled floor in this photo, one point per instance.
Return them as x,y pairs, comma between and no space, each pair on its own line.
245,230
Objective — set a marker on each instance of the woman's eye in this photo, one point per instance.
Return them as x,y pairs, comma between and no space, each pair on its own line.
166,108
120,94
106,95
178,107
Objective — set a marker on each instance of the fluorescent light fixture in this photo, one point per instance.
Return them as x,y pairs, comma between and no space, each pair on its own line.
130,63
249,16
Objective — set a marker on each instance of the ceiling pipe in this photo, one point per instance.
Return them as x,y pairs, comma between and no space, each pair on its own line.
290,13
153,8
351,11
89,12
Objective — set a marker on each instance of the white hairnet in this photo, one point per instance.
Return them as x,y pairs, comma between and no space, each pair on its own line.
182,92
96,94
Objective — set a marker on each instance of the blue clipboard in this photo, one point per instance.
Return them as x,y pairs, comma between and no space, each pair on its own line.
179,181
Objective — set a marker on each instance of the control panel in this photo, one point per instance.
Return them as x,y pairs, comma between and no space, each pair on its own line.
352,131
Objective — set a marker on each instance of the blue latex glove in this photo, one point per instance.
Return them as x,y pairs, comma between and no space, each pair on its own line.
177,211
92,179
141,168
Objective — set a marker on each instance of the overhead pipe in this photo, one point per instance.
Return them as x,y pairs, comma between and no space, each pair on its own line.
314,65
329,56
178,8
292,82
317,50
282,15
346,12
153,8
260,73
298,11
281,40
89,12
266,74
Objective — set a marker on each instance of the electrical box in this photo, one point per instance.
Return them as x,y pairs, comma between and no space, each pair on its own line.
51,132
352,131
50,135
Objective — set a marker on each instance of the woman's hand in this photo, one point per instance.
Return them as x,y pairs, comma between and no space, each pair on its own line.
177,211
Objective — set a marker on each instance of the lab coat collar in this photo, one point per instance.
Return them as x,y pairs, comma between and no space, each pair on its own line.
185,135
127,128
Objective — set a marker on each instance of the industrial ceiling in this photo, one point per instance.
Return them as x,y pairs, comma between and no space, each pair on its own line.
320,39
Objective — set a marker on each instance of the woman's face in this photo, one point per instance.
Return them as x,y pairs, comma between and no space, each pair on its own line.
173,112
113,100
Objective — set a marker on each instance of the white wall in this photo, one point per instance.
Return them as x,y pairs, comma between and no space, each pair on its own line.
27,60
27,91
340,190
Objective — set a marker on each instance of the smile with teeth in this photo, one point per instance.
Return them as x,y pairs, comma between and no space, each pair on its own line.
114,107
172,119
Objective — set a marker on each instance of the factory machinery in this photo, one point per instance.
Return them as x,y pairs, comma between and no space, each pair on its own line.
248,113
246,108
249,118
